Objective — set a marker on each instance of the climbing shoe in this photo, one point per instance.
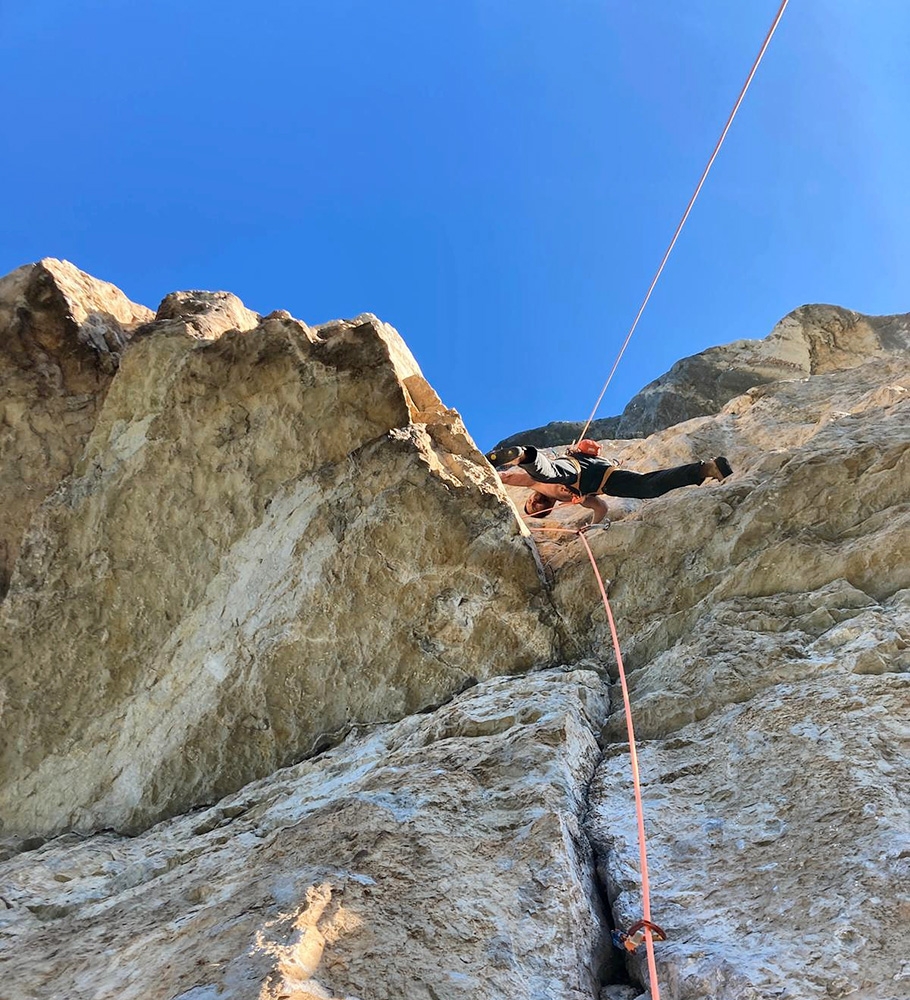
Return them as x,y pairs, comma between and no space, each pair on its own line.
716,468
501,457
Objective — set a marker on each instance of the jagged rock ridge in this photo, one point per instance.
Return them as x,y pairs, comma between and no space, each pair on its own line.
63,334
811,340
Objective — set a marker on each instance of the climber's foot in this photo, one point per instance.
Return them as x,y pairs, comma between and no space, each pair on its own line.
716,468
502,457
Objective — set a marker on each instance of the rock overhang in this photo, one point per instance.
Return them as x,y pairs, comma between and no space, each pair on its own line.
270,531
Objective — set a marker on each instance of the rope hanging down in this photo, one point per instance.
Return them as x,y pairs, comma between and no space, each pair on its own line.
646,924
645,929
682,221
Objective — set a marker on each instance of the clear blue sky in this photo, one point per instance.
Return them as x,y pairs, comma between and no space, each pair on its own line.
496,178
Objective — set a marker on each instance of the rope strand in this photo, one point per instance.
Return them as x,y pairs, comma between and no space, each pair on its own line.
682,221
633,752
636,782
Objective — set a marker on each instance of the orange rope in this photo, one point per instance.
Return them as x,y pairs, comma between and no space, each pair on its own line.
633,756
682,222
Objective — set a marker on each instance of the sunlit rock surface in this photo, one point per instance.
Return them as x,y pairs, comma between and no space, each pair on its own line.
62,333
778,836
812,340
438,857
274,539
820,493
766,627
272,532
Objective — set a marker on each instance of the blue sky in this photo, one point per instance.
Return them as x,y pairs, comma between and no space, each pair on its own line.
496,178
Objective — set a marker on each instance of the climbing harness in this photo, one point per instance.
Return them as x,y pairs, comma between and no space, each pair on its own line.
575,488
682,221
635,935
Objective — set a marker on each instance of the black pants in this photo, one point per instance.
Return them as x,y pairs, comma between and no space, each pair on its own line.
641,486
645,486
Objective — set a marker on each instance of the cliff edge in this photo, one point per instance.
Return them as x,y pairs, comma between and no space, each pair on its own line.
295,706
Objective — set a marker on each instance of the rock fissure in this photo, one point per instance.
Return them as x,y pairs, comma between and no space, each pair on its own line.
611,968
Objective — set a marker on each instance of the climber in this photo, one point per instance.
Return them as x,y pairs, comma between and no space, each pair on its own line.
581,475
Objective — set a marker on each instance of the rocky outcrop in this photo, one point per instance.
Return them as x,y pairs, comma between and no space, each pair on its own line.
205,315
268,536
276,540
766,626
439,857
562,432
62,333
777,829
820,494
812,340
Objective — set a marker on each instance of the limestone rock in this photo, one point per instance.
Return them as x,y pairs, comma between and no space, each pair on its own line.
276,536
563,432
766,630
438,857
269,536
777,842
62,333
204,315
812,340
819,494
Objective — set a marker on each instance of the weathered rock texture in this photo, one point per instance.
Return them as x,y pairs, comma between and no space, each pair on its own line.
61,337
766,626
778,835
812,340
439,857
205,315
821,493
274,533
268,535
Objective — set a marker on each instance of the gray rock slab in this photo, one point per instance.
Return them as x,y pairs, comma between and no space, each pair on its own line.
440,857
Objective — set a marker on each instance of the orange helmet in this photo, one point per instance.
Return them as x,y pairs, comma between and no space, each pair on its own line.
588,447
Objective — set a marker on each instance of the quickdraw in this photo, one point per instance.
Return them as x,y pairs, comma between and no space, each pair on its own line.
635,935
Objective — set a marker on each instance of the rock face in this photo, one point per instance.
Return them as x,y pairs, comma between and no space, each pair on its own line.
275,539
61,337
778,832
268,536
820,494
766,624
812,340
439,857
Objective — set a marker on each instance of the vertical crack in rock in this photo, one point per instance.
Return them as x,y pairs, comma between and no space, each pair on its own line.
611,968
765,628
